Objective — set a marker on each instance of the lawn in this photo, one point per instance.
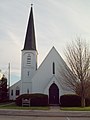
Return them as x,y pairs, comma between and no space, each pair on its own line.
13,106
75,108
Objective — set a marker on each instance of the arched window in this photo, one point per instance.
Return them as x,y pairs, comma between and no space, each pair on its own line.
11,92
53,68
27,91
17,91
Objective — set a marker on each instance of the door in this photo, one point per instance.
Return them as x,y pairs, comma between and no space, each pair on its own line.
53,94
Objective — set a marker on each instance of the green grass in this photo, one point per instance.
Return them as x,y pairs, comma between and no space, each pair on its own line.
13,106
75,108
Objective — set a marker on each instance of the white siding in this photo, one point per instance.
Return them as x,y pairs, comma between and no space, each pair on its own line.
44,74
40,80
14,87
28,69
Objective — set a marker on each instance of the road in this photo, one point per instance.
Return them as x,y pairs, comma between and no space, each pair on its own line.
41,118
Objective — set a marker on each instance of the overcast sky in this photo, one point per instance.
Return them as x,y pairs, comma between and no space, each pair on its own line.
57,23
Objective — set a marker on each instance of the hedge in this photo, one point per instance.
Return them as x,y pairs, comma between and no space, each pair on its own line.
35,99
87,101
70,101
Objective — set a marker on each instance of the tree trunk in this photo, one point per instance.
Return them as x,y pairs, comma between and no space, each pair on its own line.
82,93
82,101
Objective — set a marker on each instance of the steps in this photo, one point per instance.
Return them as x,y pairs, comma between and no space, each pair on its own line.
55,108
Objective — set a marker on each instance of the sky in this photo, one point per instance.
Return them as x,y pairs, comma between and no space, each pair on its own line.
57,23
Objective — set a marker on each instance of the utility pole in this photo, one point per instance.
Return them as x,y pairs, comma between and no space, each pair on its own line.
9,80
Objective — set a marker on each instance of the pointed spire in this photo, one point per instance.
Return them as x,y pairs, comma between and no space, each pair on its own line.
30,43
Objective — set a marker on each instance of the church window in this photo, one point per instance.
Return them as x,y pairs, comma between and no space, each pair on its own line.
27,91
28,73
11,92
53,68
17,91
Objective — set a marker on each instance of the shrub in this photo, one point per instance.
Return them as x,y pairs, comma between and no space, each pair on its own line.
70,101
87,101
35,99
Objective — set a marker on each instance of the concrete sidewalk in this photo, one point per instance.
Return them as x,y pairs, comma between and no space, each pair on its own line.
44,113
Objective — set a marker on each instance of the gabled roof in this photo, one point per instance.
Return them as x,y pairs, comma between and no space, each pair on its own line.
30,43
44,74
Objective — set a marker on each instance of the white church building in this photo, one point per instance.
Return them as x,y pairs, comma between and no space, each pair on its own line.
45,79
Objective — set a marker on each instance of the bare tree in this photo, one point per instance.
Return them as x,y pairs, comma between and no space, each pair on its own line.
77,73
87,90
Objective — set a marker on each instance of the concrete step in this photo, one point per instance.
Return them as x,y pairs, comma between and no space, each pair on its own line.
54,108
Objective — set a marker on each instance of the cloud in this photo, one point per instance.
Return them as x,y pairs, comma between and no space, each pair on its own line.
56,22
14,39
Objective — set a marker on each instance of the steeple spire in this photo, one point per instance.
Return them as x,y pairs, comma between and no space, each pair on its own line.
30,43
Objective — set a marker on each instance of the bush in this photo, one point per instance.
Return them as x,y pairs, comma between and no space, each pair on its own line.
70,101
35,99
87,101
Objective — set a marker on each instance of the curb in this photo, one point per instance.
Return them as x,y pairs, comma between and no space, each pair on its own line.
39,113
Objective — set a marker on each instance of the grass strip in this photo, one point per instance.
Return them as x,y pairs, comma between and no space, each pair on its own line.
13,106
75,108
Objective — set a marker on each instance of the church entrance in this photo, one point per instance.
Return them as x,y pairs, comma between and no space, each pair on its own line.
53,94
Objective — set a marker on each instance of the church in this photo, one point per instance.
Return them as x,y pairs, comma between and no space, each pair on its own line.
45,79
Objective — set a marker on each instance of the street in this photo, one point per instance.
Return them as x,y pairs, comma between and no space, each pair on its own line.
41,118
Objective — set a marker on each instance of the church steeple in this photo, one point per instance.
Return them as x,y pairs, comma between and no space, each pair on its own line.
30,43
29,57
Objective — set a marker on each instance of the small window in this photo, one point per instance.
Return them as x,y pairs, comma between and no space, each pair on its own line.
17,92
28,73
53,68
27,91
11,92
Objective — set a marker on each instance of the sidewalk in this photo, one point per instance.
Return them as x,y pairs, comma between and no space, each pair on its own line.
54,109
44,113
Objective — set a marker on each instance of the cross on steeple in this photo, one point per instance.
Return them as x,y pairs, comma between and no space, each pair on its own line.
31,5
